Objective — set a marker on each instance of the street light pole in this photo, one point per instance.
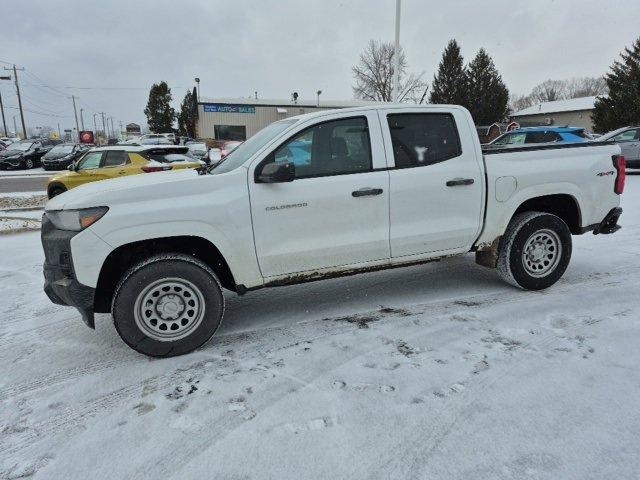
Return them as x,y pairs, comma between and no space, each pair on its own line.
318,93
81,119
95,128
396,55
197,79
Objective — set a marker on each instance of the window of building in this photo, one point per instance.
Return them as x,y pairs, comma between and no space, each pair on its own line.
332,148
421,139
230,132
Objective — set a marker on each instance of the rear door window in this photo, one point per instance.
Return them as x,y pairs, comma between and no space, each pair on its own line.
421,139
115,158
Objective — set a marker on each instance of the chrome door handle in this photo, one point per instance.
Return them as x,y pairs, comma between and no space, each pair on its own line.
456,182
363,192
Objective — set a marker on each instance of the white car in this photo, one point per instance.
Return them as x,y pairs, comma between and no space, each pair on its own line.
321,195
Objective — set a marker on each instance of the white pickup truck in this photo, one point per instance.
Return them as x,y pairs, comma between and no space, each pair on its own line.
321,195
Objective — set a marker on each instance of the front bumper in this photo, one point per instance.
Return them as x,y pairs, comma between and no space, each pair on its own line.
60,283
11,163
55,164
610,222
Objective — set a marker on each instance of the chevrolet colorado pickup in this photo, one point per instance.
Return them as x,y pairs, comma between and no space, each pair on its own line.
315,196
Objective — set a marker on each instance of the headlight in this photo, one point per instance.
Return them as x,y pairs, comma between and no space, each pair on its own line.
76,220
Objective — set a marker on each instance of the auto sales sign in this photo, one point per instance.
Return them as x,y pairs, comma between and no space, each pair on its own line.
223,108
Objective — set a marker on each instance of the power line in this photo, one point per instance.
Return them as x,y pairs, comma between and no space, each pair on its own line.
38,113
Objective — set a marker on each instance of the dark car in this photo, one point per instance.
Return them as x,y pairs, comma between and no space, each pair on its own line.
63,155
23,154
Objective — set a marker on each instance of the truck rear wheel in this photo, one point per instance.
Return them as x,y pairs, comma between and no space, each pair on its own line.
167,305
534,251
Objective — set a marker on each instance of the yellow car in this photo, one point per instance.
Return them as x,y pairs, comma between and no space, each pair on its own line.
118,161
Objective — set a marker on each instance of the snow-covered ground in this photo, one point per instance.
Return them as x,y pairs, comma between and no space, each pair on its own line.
437,371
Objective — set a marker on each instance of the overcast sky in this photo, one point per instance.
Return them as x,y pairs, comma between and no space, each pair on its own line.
116,49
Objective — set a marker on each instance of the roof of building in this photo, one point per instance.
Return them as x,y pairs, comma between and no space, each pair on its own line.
569,105
279,102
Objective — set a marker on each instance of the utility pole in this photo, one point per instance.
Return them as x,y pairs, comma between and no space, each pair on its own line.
81,119
15,127
104,126
4,123
396,55
59,134
76,114
15,76
113,130
95,128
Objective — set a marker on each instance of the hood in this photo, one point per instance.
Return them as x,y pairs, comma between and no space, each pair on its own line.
144,186
10,153
56,156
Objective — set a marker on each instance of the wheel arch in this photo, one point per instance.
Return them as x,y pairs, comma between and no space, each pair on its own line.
53,185
561,205
123,257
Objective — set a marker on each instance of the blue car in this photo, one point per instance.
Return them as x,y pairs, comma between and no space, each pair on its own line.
529,135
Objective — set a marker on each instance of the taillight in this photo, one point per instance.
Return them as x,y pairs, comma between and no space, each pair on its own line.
621,167
156,168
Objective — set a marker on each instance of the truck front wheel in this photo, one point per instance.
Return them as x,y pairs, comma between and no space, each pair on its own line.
534,251
167,305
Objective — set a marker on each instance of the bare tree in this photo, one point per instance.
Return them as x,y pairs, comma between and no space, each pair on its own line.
374,76
586,87
520,102
549,91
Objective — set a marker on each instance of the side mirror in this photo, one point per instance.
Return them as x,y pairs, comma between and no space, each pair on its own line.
72,167
273,172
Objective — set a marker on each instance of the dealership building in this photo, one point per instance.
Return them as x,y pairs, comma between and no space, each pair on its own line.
240,118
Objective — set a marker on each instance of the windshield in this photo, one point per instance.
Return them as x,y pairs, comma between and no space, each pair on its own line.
62,149
23,147
612,134
252,145
510,139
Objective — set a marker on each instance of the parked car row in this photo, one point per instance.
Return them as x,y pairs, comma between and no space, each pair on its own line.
117,161
628,138
25,154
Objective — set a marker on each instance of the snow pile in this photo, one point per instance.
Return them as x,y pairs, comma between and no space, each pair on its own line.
434,371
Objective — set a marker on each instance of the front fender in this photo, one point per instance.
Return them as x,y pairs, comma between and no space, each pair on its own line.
239,255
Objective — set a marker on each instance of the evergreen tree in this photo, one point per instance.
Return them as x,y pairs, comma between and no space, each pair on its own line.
160,114
450,84
622,106
187,116
488,97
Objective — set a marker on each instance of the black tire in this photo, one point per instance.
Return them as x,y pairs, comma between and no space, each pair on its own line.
55,191
29,163
548,241
159,270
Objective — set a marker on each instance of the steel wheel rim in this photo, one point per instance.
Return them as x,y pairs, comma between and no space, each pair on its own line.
169,309
541,253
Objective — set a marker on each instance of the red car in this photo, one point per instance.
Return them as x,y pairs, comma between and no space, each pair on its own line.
229,146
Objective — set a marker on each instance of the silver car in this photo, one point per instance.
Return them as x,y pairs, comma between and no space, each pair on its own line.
629,140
